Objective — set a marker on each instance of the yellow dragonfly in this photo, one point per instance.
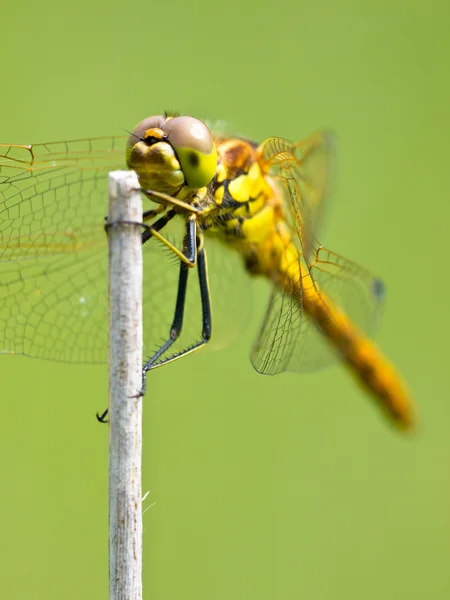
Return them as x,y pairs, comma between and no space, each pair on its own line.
264,202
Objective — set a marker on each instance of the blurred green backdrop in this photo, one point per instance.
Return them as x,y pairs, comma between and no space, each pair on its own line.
268,488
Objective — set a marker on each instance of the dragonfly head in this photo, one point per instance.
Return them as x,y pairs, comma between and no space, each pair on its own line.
171,153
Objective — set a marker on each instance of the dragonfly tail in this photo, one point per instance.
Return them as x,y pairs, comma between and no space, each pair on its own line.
365,361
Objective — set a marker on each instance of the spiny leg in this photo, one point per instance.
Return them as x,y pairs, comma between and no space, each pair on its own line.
172,201
148,215
157,225
206,323
149,233
153,230
189,259
190,248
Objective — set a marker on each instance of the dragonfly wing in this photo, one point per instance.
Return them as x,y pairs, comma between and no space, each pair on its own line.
55,307
279,333
355,290
289,340
53,196
53,257
303,173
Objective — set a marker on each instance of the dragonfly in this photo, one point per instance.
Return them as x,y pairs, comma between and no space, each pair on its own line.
260,205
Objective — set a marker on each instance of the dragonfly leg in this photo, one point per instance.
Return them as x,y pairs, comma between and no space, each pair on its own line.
102,418
154,231
190,246
189,253
175,331
157,225
148,215
188,259
171,201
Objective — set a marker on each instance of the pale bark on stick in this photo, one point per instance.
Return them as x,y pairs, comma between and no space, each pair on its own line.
125,367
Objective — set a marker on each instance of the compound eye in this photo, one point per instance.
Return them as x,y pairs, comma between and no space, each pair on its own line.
195,149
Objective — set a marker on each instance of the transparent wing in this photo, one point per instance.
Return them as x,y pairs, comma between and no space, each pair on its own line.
303,173
53,258
53,247
290,341
52,196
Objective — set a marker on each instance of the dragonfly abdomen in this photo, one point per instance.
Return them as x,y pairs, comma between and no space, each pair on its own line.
279,259
367,364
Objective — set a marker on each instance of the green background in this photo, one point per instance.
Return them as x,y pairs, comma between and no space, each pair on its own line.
268,488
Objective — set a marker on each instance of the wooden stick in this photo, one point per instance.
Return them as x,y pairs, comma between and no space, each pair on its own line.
125,368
